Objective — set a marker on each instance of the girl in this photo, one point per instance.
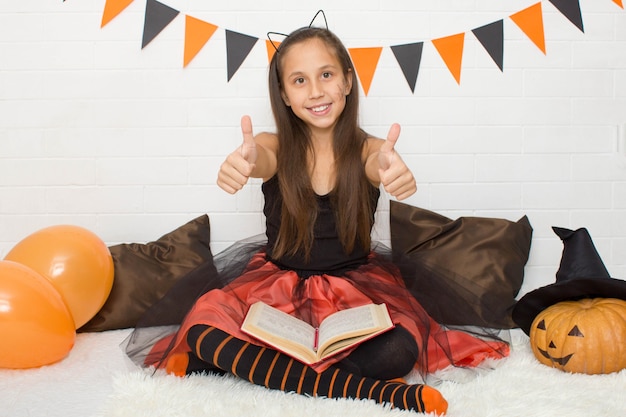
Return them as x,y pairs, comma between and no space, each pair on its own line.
321,176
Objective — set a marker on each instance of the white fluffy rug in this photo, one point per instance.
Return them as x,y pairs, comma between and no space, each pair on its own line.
96,380
519,386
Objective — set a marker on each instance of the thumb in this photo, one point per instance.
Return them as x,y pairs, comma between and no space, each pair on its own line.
392,138
387,149
248,148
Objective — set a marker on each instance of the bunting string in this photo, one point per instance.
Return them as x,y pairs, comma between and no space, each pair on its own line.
408,56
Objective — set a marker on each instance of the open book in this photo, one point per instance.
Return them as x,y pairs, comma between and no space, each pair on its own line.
298,339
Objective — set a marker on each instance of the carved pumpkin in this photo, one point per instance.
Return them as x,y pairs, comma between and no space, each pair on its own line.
585,336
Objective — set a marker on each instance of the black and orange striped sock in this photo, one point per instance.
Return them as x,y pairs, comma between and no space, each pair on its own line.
272,369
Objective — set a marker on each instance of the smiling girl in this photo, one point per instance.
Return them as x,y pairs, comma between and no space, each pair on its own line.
321,176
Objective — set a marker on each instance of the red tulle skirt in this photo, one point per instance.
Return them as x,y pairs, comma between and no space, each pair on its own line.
312,299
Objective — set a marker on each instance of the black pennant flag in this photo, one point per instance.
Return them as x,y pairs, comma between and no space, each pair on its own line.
491,36
238,47
409,56
571,10
158,16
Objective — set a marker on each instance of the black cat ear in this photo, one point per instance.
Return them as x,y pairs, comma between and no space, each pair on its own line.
275,43
315,17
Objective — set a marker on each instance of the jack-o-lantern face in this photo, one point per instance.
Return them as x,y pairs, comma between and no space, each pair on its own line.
586,336
562,361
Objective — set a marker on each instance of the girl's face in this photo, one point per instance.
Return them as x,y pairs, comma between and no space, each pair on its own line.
314,85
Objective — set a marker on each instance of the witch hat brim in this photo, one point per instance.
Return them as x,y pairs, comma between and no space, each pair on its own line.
534,302
581,275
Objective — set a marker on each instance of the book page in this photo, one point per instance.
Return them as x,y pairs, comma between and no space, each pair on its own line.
281,325
348,321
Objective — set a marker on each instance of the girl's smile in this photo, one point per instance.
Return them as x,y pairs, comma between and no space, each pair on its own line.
321,110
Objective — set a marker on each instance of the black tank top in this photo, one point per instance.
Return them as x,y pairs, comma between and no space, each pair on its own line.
327,253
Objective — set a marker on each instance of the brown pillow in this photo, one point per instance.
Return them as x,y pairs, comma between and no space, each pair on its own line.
145,272
466,271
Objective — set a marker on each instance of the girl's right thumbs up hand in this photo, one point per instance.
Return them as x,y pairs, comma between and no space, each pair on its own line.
236,169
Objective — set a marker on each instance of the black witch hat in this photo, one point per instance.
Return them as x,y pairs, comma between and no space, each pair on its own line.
582,274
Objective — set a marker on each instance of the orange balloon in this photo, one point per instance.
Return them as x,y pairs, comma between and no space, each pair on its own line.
76,261
36,326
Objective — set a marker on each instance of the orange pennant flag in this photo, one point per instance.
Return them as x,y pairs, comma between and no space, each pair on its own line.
619,3
451,50
271,46
365,61
530,20
112,8
197,34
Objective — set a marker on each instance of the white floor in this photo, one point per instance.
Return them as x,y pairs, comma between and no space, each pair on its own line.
70,388
97,380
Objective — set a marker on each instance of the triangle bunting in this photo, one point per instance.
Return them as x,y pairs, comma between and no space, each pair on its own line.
451,50
238,47
409,57
365,61
571,10
530,21
197,34
271,47
158,16
491,37
112,8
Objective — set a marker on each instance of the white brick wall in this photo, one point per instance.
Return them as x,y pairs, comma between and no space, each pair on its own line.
95,131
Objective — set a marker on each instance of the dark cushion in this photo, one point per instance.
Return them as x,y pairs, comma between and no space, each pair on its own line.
466,271
145,272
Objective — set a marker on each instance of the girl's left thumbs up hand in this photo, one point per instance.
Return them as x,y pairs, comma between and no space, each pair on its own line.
395,176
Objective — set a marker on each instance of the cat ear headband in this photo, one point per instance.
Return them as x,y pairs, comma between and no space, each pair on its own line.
284,35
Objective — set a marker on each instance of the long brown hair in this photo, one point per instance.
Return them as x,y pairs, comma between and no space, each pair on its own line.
351,195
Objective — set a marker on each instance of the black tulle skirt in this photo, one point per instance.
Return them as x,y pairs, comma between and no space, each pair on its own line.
219,293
